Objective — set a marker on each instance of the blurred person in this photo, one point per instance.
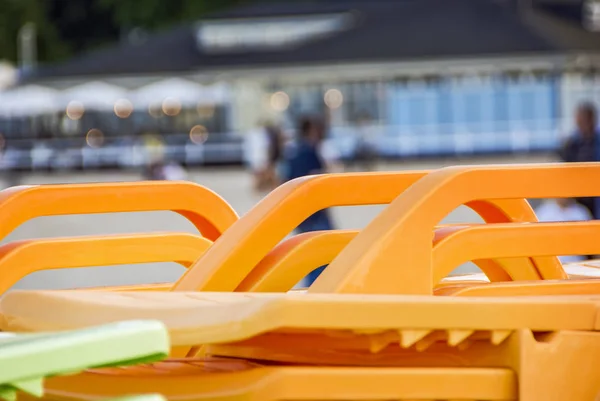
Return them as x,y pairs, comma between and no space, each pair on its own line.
154,170
560,210
301,159
158,169
154,146
263,149
173,171
275,139
155,164
331,156
584,146
255,155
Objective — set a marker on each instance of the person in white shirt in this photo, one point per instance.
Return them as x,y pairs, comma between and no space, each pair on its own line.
563,209
263,148
173,171
255,149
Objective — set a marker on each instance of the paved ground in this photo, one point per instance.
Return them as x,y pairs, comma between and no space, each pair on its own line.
231,183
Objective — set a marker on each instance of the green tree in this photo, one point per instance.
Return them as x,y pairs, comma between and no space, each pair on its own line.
68,27
81,24
154,14
13,15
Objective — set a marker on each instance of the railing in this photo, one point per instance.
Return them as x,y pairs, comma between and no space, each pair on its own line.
118,153
387,140
451,139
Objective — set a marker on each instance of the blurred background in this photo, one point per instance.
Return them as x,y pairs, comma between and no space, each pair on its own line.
103,90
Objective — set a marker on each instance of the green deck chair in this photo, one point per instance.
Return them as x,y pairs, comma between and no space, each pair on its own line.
25,359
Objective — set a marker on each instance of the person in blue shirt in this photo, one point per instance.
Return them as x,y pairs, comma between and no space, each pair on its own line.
584,146
303,159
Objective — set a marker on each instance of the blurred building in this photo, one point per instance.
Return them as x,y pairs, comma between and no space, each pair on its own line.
419,77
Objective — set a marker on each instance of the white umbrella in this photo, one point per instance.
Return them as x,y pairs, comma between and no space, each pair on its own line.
95,95
185,92
29,100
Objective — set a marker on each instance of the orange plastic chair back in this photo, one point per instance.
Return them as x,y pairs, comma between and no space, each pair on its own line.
229,261
372,343
297,256
397,238
206,210
20,258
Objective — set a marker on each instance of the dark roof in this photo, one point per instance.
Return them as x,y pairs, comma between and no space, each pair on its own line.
384,31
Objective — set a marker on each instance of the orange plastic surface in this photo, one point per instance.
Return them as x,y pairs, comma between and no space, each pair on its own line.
227,263
297,256
487,341
235,380
414,334
204,208
396,243
202,318
20,258
502,211
521,288
294,258
522,351
514,240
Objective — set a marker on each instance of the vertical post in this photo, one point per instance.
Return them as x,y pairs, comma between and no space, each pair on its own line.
27,46
591,15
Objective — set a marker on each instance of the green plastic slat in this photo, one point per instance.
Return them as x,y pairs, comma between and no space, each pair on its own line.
7,393
26,358
32,386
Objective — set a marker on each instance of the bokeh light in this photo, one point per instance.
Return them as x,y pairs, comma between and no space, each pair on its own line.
75,110
94,138
198,134
123,108
333,98
280,101
171,106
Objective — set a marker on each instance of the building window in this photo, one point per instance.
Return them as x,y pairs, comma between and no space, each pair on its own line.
362,102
